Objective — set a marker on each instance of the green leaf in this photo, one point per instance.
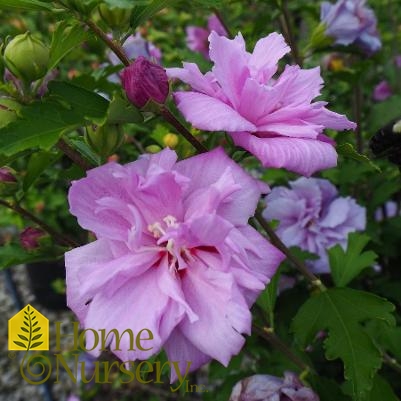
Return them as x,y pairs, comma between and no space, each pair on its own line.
13,255
20,344
348,150
143,13
38,163
267,298
127,4
25,5
65,38
381,391
346,265
43,122
120,111
341,311
90,105
384,112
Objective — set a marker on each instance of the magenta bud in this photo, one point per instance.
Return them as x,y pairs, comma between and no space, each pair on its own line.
144,81
6,175
29,238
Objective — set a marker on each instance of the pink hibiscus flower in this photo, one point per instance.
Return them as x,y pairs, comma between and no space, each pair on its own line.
174,254
273,118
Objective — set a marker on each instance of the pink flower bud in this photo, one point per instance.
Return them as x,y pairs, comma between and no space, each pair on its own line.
6,176
30,236
144,81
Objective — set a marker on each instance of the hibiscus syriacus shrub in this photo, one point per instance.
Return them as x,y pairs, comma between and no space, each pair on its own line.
222,181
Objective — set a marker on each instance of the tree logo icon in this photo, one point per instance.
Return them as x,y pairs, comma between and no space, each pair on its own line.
28,330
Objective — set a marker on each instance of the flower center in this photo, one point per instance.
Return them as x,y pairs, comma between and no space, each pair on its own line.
169,236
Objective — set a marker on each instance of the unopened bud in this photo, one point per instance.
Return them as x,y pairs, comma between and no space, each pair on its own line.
144,81
29,238
8,182
105,139
27,57
170,140
153,148
6,175
115,18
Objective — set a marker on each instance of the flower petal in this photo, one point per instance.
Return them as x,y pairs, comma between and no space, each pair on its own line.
230,64
266,54
205,171
303,156
210,114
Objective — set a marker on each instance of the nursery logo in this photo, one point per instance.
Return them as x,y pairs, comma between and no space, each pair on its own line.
28,330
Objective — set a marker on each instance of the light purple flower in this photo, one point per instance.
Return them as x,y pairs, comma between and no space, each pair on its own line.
174,254
351,21
197,37
382,91
136,46
313,217
274,119
388,210
271,388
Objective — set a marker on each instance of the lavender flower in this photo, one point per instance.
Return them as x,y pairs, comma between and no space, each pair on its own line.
313,217
382,91
351,21
271,388
197,37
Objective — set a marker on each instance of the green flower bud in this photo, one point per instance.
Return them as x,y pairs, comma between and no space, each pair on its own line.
105,139
26,57
153,148
115,18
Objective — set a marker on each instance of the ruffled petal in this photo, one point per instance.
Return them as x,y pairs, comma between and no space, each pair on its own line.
210,114
230,64
303,156
205,171
266,54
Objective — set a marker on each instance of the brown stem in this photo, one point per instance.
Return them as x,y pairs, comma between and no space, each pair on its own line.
59,238
115,47
276,241
73,155
268,334
171,119
285,21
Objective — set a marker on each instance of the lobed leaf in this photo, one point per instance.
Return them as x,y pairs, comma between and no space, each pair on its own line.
346,265
341,311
